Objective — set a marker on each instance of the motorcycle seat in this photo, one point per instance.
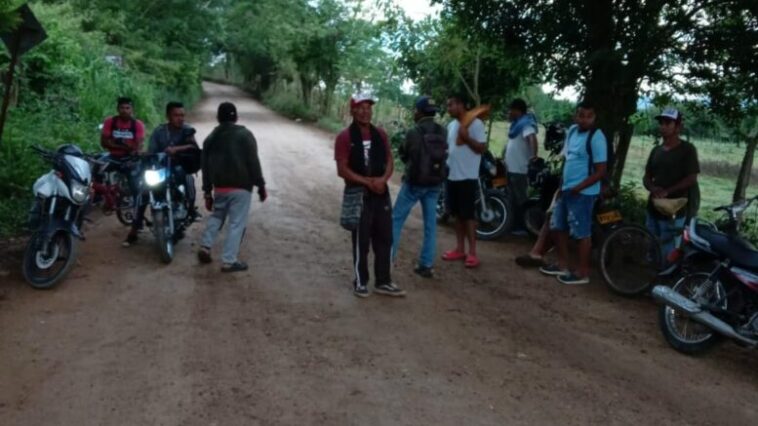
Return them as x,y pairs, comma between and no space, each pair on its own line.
735,248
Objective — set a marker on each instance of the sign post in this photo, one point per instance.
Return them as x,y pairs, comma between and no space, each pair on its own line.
28,34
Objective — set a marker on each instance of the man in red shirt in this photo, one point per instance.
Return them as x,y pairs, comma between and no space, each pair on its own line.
364,161
122,134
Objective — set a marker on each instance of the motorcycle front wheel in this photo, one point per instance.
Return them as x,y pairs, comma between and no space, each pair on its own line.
44,267
497,219
682,333
163,236
534,217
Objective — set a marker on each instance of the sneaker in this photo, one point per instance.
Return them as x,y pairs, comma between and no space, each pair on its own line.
424,272
234,267
130,240
204,255
389,289
553,270
573,279
361,291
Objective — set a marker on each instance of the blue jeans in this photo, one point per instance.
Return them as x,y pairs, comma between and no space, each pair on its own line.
573,214
668,232
407,198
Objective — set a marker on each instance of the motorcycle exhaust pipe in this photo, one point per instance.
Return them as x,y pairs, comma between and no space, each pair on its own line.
680,303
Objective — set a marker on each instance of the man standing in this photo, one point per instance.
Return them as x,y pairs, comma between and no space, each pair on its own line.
585,167
671,173
466,145
425,156
176,139
364,160
522,149
231,168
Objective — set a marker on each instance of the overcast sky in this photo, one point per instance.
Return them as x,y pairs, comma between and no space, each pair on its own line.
418,9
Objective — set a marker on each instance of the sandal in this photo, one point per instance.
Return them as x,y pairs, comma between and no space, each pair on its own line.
453,256
472,261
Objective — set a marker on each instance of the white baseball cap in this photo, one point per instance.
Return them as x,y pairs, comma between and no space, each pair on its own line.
360,98
671,114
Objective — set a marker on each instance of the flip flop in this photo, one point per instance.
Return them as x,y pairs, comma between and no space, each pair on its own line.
453,256
472,261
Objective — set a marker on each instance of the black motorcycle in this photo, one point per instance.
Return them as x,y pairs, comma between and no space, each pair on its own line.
703,307
169,203
544,179
56,217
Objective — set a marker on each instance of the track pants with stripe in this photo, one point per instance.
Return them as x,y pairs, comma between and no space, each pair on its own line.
374,232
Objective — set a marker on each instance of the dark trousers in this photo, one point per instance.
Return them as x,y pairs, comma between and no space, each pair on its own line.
519,187
374,231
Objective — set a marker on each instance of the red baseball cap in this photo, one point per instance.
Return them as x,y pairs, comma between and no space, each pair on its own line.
360,98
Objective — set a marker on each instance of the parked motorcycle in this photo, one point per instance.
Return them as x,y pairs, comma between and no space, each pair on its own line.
168,202
703,307
544,179
111,186
493,207
59,208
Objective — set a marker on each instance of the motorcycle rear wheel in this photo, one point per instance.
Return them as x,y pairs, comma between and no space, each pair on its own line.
682,333
534,218
44,271
164,237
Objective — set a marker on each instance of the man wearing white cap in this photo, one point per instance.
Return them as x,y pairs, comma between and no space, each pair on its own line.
364,161
671,174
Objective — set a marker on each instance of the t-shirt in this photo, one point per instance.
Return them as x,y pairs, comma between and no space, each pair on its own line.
667,167
462,161
576,168
518,152
343,144
123,133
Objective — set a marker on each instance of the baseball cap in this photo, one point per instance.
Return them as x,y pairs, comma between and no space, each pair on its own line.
426,105
227,112
670,113
360,98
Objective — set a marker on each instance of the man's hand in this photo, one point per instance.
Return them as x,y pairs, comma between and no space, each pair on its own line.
576,191
170,150
658,192
377,185
262,194
209,201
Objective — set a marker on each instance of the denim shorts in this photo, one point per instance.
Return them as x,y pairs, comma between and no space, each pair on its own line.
573,214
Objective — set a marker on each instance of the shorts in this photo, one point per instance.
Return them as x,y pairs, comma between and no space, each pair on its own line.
573,214
461,197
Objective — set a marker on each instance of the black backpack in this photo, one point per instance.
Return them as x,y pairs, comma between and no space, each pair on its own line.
429,161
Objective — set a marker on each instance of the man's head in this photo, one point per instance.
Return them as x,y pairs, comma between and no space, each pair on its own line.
456,106
425,107
516,109
227,113
362,109
175,114
670,122
125,108
585,115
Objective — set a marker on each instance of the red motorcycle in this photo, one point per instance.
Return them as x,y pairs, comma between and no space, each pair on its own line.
703,307
110,188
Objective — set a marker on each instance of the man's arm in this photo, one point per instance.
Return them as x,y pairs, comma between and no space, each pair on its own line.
600,171
254,163
207,184
680,186
344,171
477,146
531,140
105,136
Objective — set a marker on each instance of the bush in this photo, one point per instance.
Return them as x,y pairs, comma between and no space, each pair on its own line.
631,203
289,105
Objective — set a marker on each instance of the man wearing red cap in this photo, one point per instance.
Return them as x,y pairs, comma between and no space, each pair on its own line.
364,161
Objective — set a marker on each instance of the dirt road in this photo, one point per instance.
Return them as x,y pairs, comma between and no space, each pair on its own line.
129,341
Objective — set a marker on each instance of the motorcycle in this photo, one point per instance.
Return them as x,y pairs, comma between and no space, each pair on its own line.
704,307
111,187
168,202
544,179
493,206
56,216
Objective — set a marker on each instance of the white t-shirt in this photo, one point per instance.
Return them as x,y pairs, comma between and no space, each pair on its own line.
462,161
518,152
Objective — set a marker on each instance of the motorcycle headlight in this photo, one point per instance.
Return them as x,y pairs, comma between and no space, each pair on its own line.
79,192
154,177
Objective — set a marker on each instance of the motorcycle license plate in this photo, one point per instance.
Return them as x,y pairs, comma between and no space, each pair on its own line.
612,216
499,182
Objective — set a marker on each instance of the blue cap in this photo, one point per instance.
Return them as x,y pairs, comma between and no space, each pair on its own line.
426,105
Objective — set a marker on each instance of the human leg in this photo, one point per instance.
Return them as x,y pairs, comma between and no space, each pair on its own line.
238,212
404,203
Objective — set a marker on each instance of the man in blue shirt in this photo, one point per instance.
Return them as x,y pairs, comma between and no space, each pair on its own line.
583,172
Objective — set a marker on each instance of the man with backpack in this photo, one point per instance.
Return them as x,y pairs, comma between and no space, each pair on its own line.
586,154
424,153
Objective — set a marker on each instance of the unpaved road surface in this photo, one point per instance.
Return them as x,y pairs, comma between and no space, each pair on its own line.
129,341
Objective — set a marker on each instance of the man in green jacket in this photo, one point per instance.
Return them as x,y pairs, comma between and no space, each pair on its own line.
231,169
